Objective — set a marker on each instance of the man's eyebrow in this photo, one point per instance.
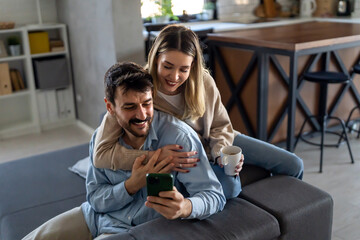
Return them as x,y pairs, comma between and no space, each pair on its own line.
131,103
148,100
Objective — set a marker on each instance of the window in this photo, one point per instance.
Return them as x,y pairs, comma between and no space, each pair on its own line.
150,8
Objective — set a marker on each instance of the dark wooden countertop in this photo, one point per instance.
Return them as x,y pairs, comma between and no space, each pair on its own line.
294,37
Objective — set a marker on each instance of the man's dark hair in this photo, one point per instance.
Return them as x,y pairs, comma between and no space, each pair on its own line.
129,76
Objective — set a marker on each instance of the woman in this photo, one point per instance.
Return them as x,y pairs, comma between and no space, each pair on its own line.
185,89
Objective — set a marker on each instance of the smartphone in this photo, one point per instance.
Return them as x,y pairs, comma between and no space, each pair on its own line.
158,182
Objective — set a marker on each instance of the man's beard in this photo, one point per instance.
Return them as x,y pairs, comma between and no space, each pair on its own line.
133,122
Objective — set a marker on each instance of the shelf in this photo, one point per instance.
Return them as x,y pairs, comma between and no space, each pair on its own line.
48,54
15,94
12,30
20,111
13,58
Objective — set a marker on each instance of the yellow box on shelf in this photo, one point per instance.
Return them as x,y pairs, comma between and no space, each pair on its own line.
39,42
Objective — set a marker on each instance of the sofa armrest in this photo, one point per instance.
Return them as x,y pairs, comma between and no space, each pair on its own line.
303,211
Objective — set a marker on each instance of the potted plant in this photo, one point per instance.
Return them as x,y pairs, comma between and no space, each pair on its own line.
165,12
14,45
208,11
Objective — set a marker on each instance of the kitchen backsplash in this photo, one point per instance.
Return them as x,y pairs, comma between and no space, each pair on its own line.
245,8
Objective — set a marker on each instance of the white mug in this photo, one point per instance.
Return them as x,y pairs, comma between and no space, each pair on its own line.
230,157
307,8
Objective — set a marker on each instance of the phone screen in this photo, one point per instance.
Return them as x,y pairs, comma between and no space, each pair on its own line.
158,182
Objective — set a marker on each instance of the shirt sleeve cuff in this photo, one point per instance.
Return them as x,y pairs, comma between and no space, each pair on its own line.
121,194
196,207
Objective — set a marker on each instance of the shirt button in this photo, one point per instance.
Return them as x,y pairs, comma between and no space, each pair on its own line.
129,217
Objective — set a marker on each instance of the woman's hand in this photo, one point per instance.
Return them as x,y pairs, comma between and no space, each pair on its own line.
181,160
137,179
238,167
170,204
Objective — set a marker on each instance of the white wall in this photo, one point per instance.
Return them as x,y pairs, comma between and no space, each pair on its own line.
91,38
101,33
25,12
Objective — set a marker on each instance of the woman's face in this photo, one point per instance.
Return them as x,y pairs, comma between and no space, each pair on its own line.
173,69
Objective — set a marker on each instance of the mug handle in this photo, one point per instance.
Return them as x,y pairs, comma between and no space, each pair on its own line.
313,3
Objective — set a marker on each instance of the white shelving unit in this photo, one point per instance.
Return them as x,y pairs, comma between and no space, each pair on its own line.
32,110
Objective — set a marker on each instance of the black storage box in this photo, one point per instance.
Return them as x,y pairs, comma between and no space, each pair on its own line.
51,73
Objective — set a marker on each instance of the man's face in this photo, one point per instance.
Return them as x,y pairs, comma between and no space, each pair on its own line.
133,111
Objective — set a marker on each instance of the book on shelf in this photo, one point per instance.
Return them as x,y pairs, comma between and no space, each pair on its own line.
3,52
5,82
57,49
56,45
16,80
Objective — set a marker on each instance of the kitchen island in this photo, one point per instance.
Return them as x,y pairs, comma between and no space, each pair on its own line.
259,75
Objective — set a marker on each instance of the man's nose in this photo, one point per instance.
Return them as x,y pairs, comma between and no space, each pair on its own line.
141,113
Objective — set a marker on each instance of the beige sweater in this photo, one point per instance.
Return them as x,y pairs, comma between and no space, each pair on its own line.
214,129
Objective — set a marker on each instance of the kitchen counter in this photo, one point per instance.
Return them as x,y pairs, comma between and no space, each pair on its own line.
259,73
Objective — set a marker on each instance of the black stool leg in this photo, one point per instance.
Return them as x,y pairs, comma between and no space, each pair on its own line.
344,136
323,128
346,139
301,130
323,118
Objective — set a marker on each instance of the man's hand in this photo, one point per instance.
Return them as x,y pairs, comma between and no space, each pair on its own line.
181,160
137,179
170,204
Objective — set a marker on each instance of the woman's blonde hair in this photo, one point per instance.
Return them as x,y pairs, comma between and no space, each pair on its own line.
177,37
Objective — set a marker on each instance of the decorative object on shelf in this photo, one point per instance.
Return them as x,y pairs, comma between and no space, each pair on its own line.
7,25
343,8
39,42
268,9
14,45
208,11
165,12
307,8
5,83
3,52
325,8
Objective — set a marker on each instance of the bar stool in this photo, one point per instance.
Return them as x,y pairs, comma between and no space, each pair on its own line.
324,78
356,69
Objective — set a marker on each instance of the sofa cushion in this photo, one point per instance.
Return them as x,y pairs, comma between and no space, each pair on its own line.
252,173
302,210
41,180
239,220
18,224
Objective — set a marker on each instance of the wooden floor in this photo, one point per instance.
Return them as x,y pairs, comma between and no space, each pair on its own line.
339,178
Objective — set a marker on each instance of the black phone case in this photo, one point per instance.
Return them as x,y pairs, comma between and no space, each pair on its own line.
158,182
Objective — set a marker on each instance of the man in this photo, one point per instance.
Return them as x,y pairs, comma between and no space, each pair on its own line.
117,200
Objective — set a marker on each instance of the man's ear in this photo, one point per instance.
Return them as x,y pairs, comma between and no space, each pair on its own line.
109,106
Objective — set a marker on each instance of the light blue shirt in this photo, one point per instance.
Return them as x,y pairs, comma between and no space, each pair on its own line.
109,207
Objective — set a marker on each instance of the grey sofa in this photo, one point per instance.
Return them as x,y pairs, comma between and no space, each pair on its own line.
37,188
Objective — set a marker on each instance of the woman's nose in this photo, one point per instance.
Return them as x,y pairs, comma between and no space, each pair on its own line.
175,75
